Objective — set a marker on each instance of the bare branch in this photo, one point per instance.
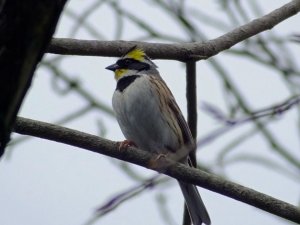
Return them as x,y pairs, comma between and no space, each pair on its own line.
175,170
183,51
191,96
120,198
275,110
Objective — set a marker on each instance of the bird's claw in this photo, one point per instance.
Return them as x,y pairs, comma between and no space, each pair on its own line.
125,144
159,162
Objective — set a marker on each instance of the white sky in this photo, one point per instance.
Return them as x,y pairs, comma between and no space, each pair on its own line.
49,183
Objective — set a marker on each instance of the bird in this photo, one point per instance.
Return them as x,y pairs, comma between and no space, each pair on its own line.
151,120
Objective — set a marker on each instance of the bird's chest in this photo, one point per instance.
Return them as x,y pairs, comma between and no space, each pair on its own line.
139,114
134,104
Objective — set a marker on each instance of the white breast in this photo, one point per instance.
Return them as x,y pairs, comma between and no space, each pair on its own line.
140,118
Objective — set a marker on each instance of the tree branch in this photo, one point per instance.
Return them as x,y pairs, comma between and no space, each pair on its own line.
25,32
191,97
183,51
143,158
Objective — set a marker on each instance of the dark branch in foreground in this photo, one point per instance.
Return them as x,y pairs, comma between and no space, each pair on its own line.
183,51
26,29
175,170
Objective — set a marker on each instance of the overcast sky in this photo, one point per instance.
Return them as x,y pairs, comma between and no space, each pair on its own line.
50,183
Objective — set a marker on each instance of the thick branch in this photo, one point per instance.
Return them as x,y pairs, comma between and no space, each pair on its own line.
175,170
183,51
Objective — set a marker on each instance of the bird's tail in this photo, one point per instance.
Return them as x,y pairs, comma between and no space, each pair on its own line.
195,205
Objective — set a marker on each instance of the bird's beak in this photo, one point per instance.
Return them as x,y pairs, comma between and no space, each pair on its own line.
113,67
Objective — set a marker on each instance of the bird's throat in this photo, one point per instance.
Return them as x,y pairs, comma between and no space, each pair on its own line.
124,82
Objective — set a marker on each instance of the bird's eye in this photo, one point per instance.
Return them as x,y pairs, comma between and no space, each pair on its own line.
124,62
127,62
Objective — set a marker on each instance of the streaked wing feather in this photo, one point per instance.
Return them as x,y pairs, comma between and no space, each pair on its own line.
186,133
170,100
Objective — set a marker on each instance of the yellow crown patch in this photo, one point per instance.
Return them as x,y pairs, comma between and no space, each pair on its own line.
136,53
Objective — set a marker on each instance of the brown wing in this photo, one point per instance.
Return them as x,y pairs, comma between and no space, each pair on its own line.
186,133
174,110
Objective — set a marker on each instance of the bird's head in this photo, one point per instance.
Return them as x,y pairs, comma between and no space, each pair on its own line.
134,62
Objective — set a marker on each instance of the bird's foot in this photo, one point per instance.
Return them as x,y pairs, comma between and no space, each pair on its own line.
123,145
159,162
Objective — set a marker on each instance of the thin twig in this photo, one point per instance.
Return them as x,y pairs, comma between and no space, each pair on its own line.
75,85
